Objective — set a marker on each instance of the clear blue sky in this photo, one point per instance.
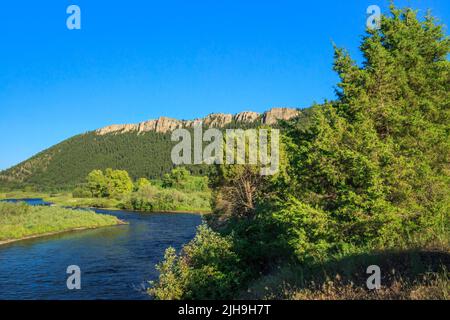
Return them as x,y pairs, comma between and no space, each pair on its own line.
136,60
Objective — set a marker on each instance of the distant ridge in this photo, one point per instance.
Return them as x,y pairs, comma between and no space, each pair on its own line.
142,149
217,120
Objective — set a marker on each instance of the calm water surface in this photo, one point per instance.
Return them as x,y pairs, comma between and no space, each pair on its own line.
116,262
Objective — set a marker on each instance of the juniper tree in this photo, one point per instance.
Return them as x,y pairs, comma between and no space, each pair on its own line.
377,159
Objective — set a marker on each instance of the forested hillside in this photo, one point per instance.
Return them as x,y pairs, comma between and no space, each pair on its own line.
141,154
68,163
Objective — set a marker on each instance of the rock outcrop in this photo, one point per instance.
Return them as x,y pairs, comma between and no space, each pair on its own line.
272,116
117,128
215,120
218,120
247,116
164,124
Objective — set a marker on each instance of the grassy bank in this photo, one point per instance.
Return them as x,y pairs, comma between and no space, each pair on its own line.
20,221
63,199
169,200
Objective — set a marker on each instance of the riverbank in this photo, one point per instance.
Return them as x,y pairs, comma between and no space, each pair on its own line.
65,199
19,221
56,233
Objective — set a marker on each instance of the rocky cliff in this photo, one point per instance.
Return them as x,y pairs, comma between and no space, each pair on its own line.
215,120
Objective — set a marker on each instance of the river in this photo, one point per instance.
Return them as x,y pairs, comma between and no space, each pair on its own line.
115,262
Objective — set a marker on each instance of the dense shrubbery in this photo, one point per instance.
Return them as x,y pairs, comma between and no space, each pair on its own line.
152,198
181,179
207,268
179,191
368,171
111,184
81,192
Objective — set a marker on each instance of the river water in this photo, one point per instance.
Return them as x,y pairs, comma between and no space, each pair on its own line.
115,262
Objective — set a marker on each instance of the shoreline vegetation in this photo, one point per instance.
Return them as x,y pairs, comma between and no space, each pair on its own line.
66,200
178,192
42,235
19,221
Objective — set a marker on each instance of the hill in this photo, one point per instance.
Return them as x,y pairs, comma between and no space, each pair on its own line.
141,149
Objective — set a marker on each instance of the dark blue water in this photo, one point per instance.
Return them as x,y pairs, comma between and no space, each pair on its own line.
32,202
115,262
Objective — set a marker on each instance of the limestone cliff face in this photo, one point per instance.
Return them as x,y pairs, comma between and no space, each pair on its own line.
193,123
164,124
117,128
273,115
247,116
216,120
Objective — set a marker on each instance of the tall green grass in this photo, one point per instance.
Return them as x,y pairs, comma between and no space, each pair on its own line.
19,220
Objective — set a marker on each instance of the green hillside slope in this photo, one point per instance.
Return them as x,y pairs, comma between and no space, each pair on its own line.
68,162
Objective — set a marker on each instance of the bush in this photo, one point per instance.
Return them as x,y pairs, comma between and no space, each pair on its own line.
81,192
150,198
181,179
207,268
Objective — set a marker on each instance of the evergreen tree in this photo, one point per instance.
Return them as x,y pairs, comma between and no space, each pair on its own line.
377,159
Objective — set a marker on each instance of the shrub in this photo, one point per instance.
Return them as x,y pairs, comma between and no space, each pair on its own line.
81,192
207,268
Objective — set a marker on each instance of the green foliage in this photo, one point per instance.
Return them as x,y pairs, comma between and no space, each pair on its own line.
82,192
113,183
207,268
239,189
368,171
20,220
176,178
152,198
67,164
172,280
307,231
114,188
97,184
181,179
118,183
376,161
141,183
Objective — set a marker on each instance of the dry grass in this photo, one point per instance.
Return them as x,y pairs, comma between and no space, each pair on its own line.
406,275
434,286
